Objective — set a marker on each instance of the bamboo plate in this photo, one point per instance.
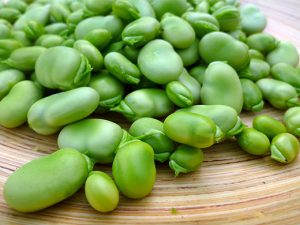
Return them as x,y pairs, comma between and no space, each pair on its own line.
231,187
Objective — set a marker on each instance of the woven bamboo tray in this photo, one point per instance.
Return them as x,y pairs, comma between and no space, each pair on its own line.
231,187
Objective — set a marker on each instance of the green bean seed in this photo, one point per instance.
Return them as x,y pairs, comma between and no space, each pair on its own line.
7,46
50,114
111,23
254,54
24,59
99,7
57,28
190,55
256,70
110,90
253,99
8,78
268,125
100,38
39,14
252,19
9,14
141,31
284,148
195,130
97,138
91,52
221,86
134,169
15,105
253,142
225,117
185,159
281,95
46,181
238,35
285,72
285,52
151,131
262,42
101,192
176,7
50,40
148,102
62,68
198,73
202,23
177,31
291,120
228,17
126,10
219,46
121,67
159,62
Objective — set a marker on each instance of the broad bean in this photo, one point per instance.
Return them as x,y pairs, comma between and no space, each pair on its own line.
291,120
253,141
134,169
185,159
97,138
203,23
268,125
281,95
122,68
252,19
256,70
285,52
262,42
93,55
8,78
221,86
141,31
16,104
253,99
46,181
177,31
225,117
159,62
195,130
62,68
190,55
228,17
110,90
50,114
111,23
148,102
284,148
50,40
219,46
24,59
285,72
151,131
7,46
101,192
176,7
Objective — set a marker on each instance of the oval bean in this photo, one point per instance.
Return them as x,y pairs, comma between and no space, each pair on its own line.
101,192
46,181
284,148
185,159
15,105
134,169
97,138
50,114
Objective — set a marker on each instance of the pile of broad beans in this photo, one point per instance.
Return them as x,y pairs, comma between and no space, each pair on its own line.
180,70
